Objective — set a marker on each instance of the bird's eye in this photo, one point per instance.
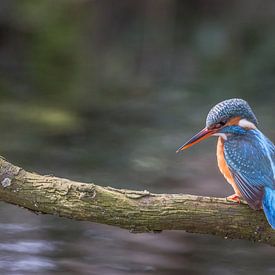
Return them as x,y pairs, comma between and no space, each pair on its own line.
220,124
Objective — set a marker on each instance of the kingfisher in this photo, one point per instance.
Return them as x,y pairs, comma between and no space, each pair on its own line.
246,157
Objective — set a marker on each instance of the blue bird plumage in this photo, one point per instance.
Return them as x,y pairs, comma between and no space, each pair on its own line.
269,205
246,156
250,158
230,108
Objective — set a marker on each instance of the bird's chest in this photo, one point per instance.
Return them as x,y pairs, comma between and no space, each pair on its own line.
224,167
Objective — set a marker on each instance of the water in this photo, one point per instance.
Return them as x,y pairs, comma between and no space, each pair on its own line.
31,243
105,92
49,245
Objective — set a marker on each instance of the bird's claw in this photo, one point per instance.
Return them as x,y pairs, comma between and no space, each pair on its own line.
234,198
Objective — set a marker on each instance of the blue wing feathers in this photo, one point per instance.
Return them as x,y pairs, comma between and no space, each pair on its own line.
251,159
252,193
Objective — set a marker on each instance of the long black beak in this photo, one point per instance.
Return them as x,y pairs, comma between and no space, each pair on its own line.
203,134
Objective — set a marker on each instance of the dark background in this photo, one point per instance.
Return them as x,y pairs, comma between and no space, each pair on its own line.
105,92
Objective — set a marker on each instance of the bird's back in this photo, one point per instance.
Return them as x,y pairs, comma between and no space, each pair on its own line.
251,159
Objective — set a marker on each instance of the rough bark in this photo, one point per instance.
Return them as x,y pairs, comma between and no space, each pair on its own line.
137,211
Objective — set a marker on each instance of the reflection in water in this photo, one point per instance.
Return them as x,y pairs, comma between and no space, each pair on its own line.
11,228
20,255
63,246
28,264
31,246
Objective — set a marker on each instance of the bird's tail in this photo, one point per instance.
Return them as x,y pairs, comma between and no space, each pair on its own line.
269,205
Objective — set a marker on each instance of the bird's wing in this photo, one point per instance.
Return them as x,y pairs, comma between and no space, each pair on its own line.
251,160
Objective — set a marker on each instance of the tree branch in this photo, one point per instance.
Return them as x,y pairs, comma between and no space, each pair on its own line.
132,210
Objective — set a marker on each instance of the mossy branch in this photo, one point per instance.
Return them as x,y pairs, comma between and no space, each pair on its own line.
137,211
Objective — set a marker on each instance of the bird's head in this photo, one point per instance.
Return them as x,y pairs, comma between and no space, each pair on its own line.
232,116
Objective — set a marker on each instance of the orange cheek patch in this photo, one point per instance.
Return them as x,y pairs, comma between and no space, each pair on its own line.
234,121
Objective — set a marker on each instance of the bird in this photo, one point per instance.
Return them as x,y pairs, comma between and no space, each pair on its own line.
245,156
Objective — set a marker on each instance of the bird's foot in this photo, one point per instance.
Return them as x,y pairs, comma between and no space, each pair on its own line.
234,198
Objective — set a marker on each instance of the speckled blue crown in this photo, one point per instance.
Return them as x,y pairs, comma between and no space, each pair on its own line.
230,108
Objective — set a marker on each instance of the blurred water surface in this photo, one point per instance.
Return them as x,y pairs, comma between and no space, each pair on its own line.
105,92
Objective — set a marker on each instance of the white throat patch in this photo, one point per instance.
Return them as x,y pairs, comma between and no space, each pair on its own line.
222,135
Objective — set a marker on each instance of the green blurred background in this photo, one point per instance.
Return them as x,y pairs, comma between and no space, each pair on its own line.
105,92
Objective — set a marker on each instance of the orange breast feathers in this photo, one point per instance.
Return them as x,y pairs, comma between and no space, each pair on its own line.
223,166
